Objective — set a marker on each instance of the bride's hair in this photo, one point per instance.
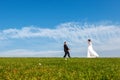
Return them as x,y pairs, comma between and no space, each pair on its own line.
89,40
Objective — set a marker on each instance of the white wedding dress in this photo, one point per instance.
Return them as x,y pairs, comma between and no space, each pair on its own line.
91,53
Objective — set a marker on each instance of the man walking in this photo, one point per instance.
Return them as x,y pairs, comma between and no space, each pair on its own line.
66,50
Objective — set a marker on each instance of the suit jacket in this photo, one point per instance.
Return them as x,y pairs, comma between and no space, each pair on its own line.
66,48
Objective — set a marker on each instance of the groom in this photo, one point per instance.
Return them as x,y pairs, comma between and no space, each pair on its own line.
66,50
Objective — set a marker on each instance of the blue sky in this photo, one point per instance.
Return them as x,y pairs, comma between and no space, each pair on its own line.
39,27
49,13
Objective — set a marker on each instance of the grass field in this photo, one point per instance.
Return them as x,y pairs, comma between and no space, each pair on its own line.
59,69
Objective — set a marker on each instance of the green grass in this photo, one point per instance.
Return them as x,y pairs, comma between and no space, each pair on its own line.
59,69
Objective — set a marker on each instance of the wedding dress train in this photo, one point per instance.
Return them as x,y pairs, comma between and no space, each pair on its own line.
91,53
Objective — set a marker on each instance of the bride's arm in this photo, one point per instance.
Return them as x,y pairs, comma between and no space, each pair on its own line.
89,43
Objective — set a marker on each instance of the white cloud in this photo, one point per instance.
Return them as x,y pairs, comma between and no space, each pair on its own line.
30,53
104,37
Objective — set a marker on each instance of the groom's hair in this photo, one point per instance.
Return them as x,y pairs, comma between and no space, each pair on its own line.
65,42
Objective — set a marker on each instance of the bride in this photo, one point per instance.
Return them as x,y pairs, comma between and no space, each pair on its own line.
91,53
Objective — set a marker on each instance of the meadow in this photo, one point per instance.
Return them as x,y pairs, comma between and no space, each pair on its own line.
59,69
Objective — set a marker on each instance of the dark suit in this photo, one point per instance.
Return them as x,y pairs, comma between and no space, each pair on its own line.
66,50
